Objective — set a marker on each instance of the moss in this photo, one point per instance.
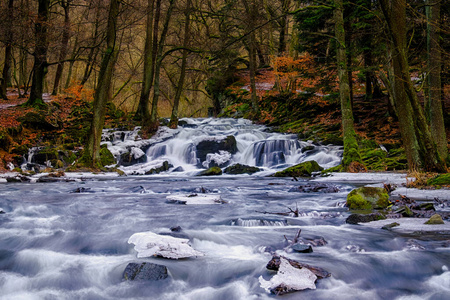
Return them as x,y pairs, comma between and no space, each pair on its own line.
304,169
368,198
211,171
435,219
441,179
357,202
106,156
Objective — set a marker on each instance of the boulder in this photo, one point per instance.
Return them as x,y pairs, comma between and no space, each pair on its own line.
241,169
367,198
163,168
145,271
135,156
360,218
289,279
304,169
275,262
41,121
149,244
211,171
435,219
204,147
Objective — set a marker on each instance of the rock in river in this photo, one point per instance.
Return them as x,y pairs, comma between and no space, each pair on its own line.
151,244
367,198
304,169
145,271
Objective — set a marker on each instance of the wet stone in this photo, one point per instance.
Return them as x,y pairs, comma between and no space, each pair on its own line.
145,272
359,218
390,226
302,248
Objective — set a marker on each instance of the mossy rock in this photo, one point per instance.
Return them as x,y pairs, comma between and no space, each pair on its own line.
241,169
211,171
367,198
435,219
106,156
305,169
441,179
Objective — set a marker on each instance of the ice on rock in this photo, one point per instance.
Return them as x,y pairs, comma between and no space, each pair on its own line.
151,244
289,279
195,199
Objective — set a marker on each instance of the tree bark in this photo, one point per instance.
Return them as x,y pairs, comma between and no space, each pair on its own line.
351,153
176,102
64,45
40,55
6,74
153,124
420,148
91,155
142,112
434,106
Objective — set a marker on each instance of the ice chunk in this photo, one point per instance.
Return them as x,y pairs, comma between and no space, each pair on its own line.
289,279
151,244
195,199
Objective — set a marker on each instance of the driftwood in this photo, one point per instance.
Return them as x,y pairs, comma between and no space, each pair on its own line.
295,212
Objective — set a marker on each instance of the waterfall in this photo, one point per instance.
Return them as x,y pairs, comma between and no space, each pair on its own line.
201,143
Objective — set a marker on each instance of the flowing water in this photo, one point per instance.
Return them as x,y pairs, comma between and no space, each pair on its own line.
68,240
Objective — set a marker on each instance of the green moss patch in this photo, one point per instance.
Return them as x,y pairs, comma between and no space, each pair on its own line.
211,171
304,169
367,198
441,179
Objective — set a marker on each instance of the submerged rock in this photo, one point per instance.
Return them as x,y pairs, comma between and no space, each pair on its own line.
145,271
302,248
390,226
435,219
18,178
289,279
367,198
304,169
361,218
2,211
151,244
241,169
316,188
211,172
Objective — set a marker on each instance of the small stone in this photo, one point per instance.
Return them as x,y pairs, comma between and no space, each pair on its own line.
435,219
145,271
302,248
390,226
175,228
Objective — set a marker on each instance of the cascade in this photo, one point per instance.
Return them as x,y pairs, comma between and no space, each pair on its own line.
202,143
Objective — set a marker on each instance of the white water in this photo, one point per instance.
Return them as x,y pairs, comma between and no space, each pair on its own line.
56,244
256,147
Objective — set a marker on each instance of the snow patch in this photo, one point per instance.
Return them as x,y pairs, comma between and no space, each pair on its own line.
289,279
149,244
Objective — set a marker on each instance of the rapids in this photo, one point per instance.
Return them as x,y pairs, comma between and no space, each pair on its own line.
68,240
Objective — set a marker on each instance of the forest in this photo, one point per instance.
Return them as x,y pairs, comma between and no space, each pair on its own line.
355,73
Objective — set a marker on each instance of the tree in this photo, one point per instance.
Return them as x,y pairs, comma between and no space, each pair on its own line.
152,124
434,107
65,4
40,55
91,154
142,112
6,74
420,148
351,153
179,88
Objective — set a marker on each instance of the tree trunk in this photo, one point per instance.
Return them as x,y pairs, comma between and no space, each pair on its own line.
40,55
420,148
142,112
351,153
434,78
91,155
174,117
64,45
6,74
153,124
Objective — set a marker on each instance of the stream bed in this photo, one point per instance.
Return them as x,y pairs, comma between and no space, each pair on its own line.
68,240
